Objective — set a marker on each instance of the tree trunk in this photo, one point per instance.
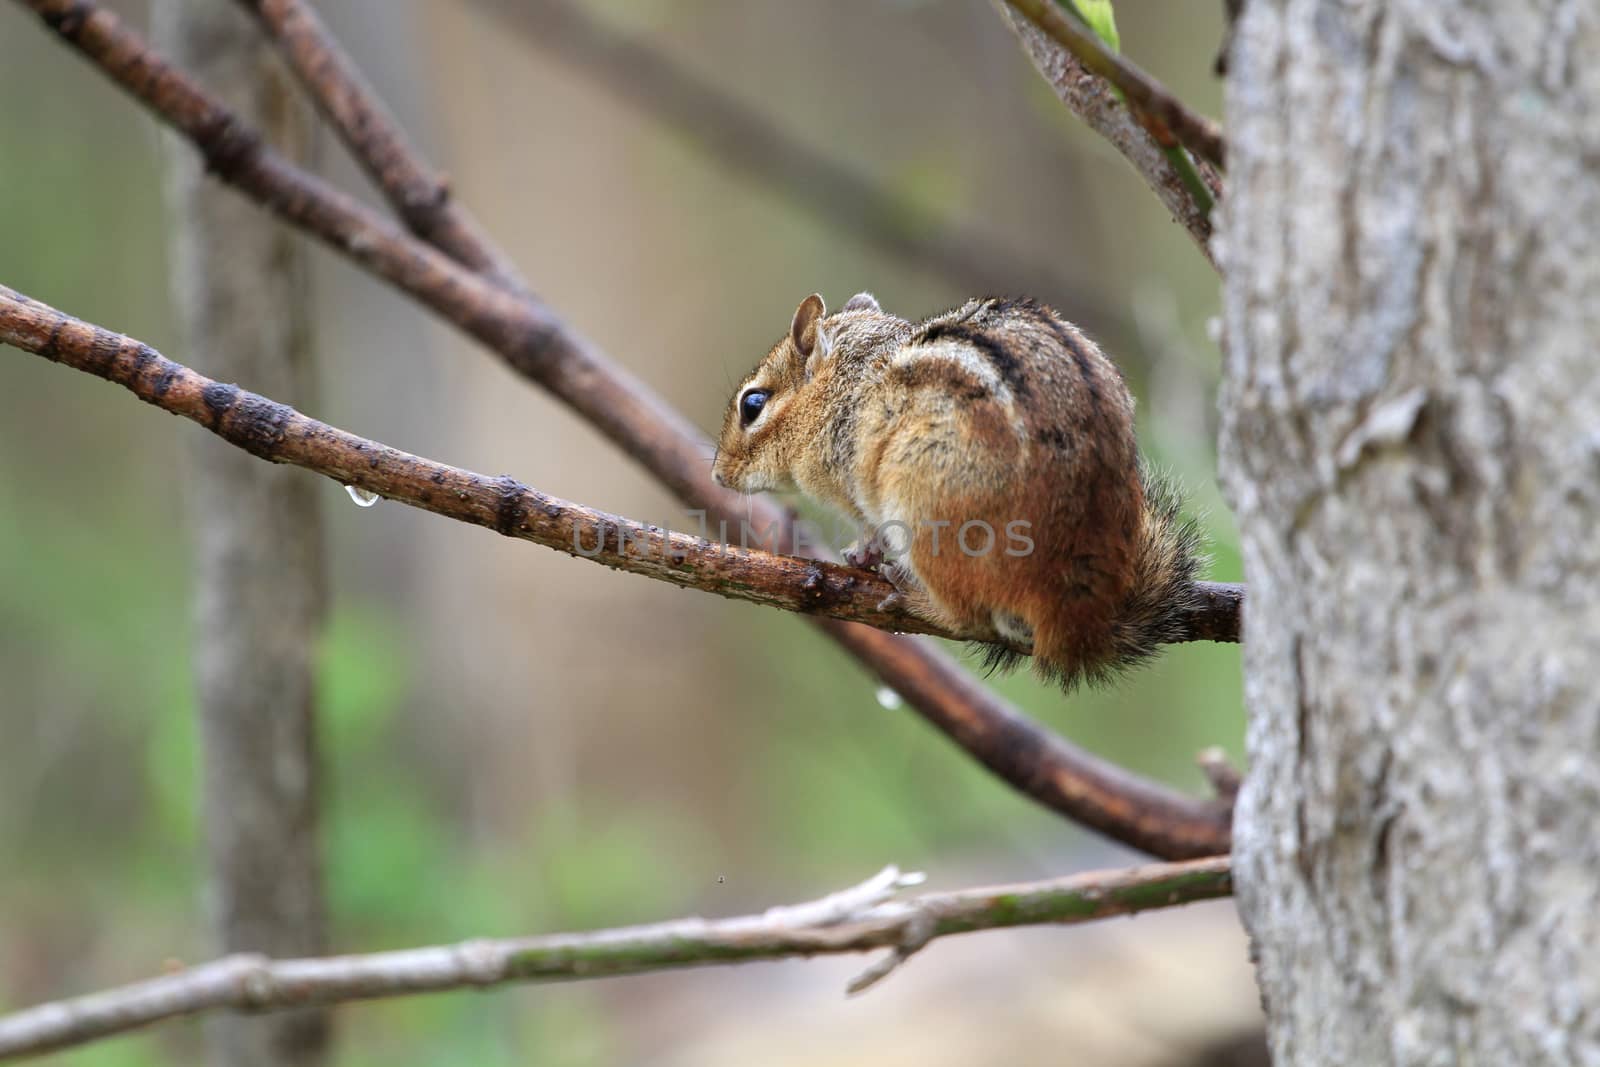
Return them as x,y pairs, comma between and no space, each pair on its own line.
1411,443
243,298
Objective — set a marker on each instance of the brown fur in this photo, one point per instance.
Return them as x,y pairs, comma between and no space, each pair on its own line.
998,412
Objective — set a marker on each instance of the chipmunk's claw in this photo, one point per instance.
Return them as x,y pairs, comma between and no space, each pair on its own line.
868,555
904,582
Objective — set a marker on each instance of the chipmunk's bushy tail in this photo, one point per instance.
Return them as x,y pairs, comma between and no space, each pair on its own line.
1162,599
1155,610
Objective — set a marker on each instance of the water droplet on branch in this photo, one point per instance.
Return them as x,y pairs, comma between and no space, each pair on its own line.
889,698
363,498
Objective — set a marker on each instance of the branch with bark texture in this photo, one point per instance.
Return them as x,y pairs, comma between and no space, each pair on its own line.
536,344
859,919
1165,115
421,198
1092,99
278,433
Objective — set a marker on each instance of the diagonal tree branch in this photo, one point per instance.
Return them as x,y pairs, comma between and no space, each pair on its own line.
1037,762
421,198
1093,99
1155,101
534,342
859,919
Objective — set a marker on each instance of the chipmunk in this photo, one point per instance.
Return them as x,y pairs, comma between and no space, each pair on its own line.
998,440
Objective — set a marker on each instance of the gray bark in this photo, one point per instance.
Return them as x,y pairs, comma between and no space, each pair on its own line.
243,299
1412,444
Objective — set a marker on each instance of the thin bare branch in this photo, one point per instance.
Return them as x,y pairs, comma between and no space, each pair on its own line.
535,343
421,198
1093,100
1039,763
858,920
1166,115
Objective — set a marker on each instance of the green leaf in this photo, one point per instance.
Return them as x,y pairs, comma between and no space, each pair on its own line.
1099,17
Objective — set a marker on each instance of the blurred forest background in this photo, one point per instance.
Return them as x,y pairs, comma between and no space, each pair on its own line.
515,741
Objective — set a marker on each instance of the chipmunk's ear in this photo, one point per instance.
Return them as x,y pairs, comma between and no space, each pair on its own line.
862,302
804,331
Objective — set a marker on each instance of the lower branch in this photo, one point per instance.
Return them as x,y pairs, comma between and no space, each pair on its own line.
1037,762
856,920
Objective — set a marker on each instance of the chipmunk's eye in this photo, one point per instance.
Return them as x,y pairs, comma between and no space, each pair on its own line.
750,406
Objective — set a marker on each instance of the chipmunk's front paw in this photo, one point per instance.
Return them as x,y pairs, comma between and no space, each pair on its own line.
866,554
